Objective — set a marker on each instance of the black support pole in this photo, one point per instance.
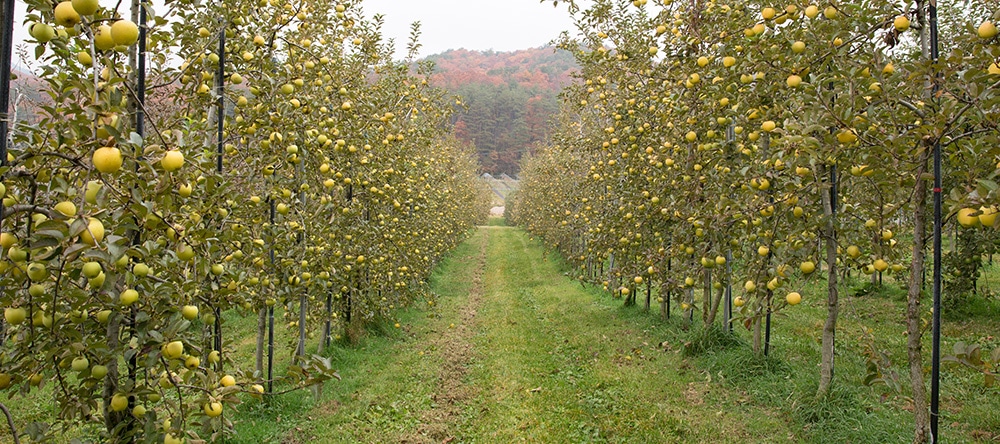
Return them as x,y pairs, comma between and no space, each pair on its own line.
936,322
270,315
7,34
220,84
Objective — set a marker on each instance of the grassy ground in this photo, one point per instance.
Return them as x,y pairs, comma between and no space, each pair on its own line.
512,350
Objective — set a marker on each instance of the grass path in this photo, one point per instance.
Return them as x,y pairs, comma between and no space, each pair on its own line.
517,352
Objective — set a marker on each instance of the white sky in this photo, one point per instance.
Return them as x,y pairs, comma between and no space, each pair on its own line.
500,25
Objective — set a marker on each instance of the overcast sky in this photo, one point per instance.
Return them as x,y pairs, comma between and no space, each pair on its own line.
501,25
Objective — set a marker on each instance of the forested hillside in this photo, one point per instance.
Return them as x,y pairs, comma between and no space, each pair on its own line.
507,99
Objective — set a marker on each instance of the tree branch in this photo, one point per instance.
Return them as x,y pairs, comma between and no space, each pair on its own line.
10,423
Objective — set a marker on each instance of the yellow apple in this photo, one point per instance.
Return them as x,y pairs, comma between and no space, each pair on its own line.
65,15
901,23
94,232
173,160
847,136
125,32
988,216
173,350
880,265
85,7
107,159
66,208
987,30
119,402
793,298
190,312
807,267
966,218
103,40
812,11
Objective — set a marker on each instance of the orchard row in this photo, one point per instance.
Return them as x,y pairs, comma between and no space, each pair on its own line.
206,157
711,144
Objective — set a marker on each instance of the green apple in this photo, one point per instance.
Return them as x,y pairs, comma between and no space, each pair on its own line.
98,282
128,297
80,364
99,371
93,187
37,272
42,32
140,270
15,315
92,269
36,290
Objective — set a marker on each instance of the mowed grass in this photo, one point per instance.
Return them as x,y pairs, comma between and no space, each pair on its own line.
552,361
559,363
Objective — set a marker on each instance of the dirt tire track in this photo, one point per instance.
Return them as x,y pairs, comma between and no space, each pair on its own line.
440,424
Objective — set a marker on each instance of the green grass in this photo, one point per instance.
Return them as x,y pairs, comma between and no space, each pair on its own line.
495,221
510,349
556,362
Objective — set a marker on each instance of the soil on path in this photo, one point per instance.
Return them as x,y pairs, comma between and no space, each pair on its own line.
455,347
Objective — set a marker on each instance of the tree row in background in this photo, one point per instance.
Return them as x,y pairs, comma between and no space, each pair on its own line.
132,220
711,145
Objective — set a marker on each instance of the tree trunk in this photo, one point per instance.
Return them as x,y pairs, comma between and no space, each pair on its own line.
649,293
664,300
706,297
715,306
832,308
300,350
913,323
112,420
